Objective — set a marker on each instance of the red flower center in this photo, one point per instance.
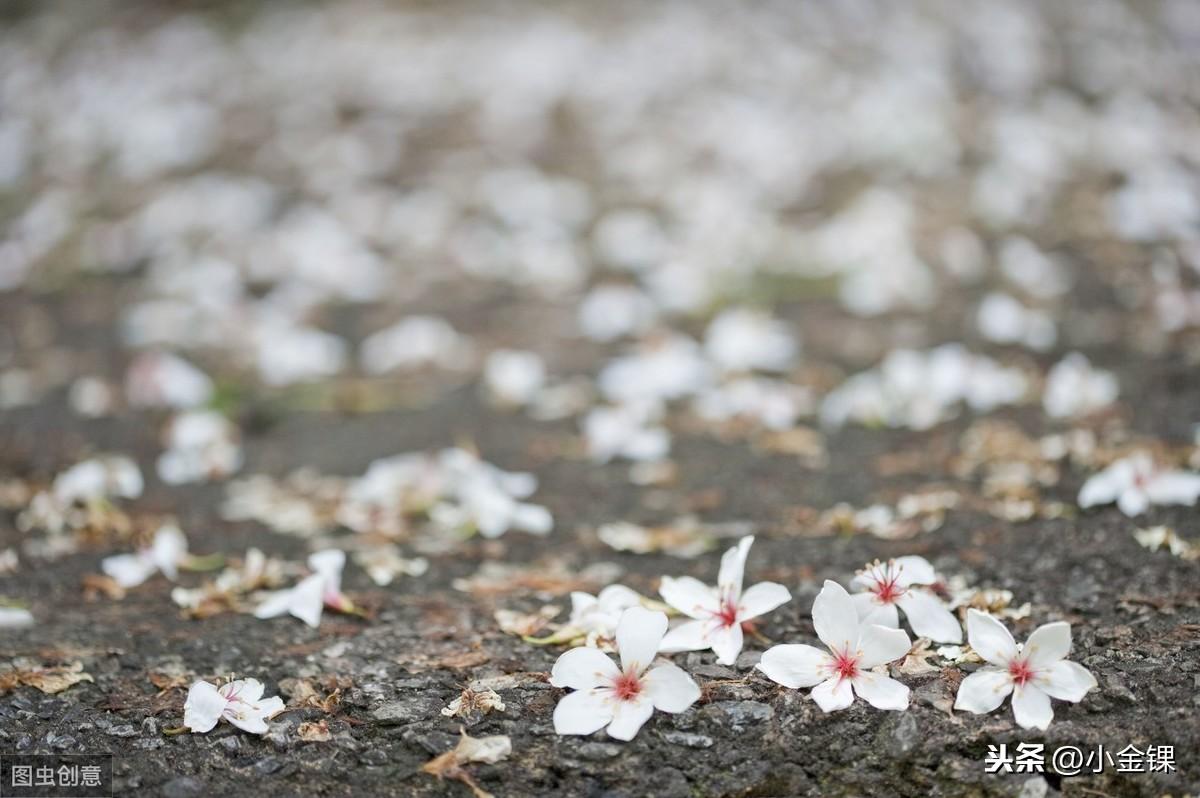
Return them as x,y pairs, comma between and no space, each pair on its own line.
887,590
728,613
845,665
627,686
1020,671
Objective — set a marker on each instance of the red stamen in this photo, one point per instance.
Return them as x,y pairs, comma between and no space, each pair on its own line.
886,589
845,665
1020,671
727,615
627,686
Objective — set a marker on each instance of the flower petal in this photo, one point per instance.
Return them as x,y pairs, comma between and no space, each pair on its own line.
914,570
1031,707
880,691
247,690
129,570
983,690
584,711
688,636
881,615
733,566
1106,486
532,518
795,665
203,707
865,602
584,668
1133,501
308,599
639,633
834,617
275,604
928,616
690,596
726,642
628,717
168,550
670,688
833,694
329,564
1174,487
879,644
762,598
990,639
1049,643
247,719
1067,681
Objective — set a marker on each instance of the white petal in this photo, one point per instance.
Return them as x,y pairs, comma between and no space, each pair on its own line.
583,668
203,707
628,717
1031,707
15,618
168,550
795,665
275,604
1133,501
670,688
990,639
726,642
307,599
616,598
882,615
329,564
914,570
689,636
532,518
762,598
247,690
581,602
247,719
1067,681
1105,487
584,711
129,570
1174,487
834,617
865,602
879,644
1048,643
880,691
928,616
833,694
983,691
690,596
639,633
733,566
270,707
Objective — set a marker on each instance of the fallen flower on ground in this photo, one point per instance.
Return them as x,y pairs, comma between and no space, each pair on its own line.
166,553
1033,673
895,585
718,613
621,698
240,702
488,750
855,648
323,588
1136,482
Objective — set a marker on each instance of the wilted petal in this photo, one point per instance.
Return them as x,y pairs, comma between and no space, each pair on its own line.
583,668
584,711
983,690
203,707
670,688
733,566
726,642
129,570
928,616
1065,680
1049,643
1031,707
990,639
914,570
628,717
833,694
795,665
689,636
880,691
639,633
762,598
879,644
690,596
834,617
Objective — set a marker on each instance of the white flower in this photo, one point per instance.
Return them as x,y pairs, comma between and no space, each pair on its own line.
889,586
165,553
201,445
1135,483
99,478
609,312
620,698
855,649
718,613
306,601
160,379
628,430
1004,320
1074,388
287,353
1033,673
773,404
414,342
668,368
744,340
599,615
514,377
240,702
484,505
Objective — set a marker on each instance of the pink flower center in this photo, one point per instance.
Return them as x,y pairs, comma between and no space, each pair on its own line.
845,665
1020,671
627,686
728,613
887,590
